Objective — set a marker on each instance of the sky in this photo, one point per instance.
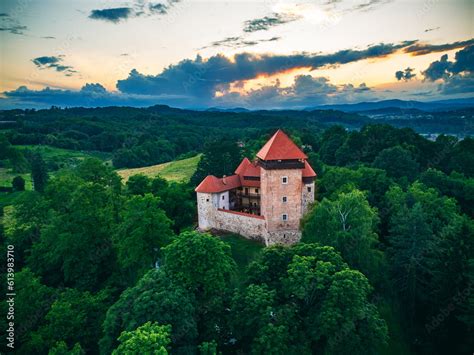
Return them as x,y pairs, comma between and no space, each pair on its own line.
255,54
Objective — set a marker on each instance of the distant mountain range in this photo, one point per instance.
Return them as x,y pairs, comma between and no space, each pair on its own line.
399,106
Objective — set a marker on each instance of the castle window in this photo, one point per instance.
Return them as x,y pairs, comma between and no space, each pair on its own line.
284,217
207,200
309,188
284,180
284,199
256,191
223,197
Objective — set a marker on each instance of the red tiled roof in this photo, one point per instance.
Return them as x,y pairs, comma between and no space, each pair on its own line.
212,184
308,170
247,168
280,147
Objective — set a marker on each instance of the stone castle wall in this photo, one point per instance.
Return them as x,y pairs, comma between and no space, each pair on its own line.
249,226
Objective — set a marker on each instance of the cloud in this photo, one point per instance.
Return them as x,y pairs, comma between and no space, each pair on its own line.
159,8
424,48
432,29
114,15
406,74
239,42
119,14
370,5
53,62
203,78
48,37
267,22
10,25
457,76
90,95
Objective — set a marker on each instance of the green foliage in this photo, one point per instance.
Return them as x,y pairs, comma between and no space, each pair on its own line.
397,162
39,174
18,183
347,223
61,349
150,338
305,299
143,230
138,185
208,348
68,315
221,157
203,265
155,298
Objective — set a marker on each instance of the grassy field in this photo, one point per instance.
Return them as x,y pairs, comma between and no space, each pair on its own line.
63,156
6,177
54,157
178,170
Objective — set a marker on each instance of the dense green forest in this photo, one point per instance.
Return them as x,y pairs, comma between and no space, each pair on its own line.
107,267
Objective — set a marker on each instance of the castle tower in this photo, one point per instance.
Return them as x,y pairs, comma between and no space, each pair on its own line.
265,199
287,184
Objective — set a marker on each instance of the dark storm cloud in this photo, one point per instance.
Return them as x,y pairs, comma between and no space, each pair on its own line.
3,14
406,74
457,76
54,63
267,22
114,15
203,77
424,48
438,69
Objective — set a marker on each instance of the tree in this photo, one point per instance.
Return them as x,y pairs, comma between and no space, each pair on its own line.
155,298
397,162
203,265
304,299
138,184
177,200
144,229
32,302
18,183
219,158
23,222
150,338
39,173
75,247
61,348
430,245
347,223
68,316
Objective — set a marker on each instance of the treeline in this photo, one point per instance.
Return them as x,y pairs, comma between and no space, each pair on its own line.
148,136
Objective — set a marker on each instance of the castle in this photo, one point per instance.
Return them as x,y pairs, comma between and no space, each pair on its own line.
265,199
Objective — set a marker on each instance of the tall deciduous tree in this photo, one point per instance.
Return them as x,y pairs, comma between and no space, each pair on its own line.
143,231
155,298
347,223
220,157
150,338
39,172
